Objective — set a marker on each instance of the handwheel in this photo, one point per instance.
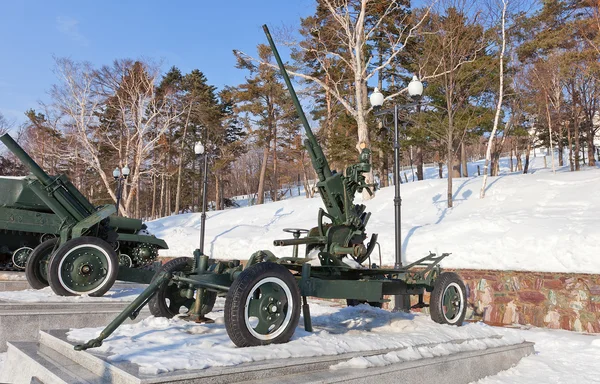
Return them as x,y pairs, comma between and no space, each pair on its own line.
20,257
170,301
355,302
295,231
262,306
36,269
84,265
448,303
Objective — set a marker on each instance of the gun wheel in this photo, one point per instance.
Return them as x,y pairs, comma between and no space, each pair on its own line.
262,306
36,269
125,260
20,257
448,303
170,300
84,265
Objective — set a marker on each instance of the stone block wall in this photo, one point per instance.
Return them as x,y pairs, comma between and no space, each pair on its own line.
553,300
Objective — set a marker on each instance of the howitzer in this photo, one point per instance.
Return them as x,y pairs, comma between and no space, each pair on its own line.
63,240
265,296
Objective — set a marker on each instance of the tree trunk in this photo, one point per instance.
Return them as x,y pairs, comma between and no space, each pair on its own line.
162,196
451,163
590,147
218,202
570,141
419,163
261,180
463,161
526,167
154,196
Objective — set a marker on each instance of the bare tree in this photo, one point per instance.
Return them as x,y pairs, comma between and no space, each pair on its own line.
139,116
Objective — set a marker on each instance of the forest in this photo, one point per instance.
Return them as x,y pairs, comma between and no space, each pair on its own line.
502,77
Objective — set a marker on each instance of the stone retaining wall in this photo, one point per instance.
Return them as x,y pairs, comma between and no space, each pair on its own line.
543,299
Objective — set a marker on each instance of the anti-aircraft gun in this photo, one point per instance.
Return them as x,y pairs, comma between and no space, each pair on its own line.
62,240
264,296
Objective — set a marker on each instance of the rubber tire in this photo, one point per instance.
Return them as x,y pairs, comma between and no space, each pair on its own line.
436,310
158,305
355,302
53,271
32,268
235,303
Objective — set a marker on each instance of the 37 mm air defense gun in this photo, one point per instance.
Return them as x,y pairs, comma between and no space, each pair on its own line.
264,297
62,240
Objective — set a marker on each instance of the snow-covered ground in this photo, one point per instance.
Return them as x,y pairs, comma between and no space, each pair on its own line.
337,330
561,356
46,295
536,222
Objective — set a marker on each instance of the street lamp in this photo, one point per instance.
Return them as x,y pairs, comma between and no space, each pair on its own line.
199,150
200,259
120,176
415,91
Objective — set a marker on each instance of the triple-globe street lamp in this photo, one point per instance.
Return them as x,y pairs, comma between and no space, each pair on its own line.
415,90
120,176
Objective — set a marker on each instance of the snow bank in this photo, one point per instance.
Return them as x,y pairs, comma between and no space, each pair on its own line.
534,222
151,342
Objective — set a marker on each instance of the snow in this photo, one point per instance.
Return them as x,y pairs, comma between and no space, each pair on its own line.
561,357
535,222
2,359
47,295
336,330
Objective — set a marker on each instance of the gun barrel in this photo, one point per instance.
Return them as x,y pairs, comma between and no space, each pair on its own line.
18,151
304,240
319,161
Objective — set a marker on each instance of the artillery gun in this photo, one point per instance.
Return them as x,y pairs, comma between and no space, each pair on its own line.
264,297
48,228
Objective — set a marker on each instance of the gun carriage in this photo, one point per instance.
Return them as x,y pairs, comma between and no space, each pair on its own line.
264,297
48,228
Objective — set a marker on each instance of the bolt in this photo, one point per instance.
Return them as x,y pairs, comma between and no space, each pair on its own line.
265,308
270,299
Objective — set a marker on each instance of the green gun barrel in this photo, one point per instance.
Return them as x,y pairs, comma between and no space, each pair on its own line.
314,149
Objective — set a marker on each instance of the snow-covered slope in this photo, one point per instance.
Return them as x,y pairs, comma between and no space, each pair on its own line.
538,222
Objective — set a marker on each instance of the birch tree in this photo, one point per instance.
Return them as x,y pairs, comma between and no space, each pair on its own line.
488,152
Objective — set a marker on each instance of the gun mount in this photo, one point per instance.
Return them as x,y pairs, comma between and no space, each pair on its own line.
60,239
345,234
264,297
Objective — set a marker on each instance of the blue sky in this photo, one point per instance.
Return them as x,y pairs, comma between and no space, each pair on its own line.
188,34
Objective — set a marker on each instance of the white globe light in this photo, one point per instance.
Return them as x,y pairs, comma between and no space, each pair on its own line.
415,87
376,98
126,171
116,173
199,148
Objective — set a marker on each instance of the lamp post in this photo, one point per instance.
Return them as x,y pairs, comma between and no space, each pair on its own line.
196,312
415,90
200,151
120,176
